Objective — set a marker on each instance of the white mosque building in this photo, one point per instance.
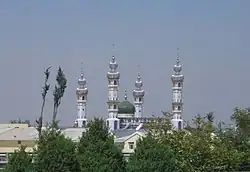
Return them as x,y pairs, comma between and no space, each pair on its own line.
124,115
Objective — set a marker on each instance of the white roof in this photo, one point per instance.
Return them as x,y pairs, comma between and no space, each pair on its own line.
19,134
32,134
73,133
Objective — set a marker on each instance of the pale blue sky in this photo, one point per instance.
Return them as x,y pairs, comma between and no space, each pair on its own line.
213,37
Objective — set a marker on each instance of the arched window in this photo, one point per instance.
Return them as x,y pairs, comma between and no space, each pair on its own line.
83,98
107,123
115,125
115,82
140,99
179,108
179,84
179,125
83,123
114,106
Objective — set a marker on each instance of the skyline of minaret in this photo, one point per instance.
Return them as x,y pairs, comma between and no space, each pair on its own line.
138,94
177,101
81,93
125,108
113,77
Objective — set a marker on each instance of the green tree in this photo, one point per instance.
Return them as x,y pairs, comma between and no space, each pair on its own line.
97,151
241,137
55,153
45,90
152,156
200,150
58,94
20,161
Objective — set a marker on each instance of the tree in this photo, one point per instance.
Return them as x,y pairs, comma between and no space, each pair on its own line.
55,153
97,151
20,161
46,88
152,156
58,93
200,150
19,121
241,136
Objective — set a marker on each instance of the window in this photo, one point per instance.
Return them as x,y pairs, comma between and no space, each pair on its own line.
179,125
179,84
115,82
83,97
3,157
131,145
114,106
115,125
84,124
179,108
19,142
140,99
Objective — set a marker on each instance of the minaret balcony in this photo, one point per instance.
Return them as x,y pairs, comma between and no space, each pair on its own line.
115,75
81,92
177,78
176,111
113,101
177,88
138,93
81,101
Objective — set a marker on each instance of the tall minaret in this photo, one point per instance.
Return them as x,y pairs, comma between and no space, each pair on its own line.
113,86
177,101
81,93
138,94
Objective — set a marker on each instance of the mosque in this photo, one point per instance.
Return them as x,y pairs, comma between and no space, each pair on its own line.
124,115
125,120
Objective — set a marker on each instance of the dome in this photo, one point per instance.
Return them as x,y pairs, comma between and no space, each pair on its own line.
126,107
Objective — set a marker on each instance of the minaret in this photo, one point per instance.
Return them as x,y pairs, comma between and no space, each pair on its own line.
138,94
177,101
113,86
81,93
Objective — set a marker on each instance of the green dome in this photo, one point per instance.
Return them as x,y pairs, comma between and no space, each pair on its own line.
126,107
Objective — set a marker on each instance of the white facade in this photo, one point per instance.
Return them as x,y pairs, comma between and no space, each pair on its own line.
138,94
177,100
82,93
113,100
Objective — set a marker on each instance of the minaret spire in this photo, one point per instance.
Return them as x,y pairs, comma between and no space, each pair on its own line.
113,77
177,88
138,94
81,92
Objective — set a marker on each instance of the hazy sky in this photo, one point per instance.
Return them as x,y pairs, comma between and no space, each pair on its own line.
213,37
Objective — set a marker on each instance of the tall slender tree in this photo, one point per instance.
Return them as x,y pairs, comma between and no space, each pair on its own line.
45,90
58,93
